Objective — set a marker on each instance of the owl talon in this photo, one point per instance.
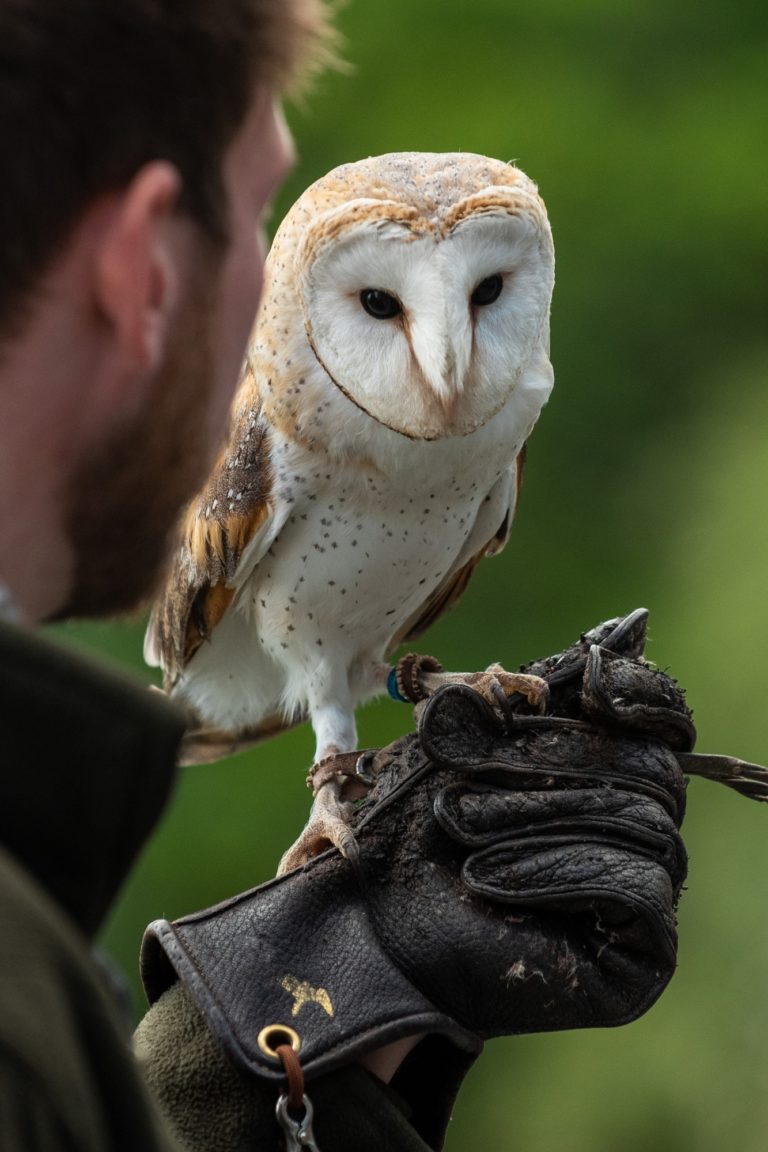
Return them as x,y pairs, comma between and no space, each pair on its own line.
364,767
328,825
492,684
534,688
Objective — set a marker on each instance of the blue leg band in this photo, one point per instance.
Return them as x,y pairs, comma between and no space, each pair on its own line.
392,687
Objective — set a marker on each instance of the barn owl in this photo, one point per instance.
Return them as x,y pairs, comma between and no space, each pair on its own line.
398,364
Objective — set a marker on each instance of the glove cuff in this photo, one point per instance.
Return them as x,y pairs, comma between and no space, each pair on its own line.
301,953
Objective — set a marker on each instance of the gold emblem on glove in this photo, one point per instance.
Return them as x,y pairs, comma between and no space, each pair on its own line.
303,993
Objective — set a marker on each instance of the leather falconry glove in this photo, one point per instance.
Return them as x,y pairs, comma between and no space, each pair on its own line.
514,873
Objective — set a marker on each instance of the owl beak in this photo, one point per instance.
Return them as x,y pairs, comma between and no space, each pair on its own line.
443,369
456,367
449,385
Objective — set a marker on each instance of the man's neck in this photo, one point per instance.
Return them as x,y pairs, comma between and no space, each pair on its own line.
35,561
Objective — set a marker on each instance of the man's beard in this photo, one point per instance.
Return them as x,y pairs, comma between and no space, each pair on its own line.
125,498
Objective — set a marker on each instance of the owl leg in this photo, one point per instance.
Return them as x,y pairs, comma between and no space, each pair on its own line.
333,721
334,728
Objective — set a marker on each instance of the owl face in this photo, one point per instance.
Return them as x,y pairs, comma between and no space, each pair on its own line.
424,283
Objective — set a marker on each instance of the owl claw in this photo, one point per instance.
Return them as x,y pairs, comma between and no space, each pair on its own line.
492,684
348,847
534,688
327,827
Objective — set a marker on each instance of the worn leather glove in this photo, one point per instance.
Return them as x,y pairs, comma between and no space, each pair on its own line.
514,873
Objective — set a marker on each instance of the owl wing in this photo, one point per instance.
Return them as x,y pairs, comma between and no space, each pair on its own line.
223,535
488,537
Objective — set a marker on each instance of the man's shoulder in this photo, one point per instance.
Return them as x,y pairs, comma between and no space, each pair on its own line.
91,759
61,1037
48,978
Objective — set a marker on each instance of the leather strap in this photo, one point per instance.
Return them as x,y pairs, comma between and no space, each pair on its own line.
340,764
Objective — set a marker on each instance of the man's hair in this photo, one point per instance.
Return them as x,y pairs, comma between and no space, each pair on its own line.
90,90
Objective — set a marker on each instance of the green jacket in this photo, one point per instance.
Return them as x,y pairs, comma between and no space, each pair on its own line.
88,762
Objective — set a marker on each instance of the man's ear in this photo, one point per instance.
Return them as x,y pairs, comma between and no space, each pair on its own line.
137,274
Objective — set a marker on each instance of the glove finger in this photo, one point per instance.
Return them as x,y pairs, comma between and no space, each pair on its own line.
617,887
459,731
623,634
477,815
636,697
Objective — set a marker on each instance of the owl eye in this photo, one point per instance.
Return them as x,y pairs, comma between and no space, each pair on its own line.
381,305
487,290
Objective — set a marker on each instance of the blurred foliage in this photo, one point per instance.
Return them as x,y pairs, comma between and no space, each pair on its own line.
645,126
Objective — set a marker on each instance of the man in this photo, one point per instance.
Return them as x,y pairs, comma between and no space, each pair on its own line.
142,148
127,292
143,140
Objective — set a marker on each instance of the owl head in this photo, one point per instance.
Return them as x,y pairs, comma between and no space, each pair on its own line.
418,286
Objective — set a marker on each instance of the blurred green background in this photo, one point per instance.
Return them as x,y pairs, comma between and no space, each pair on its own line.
646,127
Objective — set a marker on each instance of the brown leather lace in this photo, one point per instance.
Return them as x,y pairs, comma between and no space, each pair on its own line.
294,1074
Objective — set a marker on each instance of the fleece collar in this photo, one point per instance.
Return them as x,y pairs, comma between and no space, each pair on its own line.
87,759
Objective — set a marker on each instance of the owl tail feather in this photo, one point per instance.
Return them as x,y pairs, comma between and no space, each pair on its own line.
206,745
